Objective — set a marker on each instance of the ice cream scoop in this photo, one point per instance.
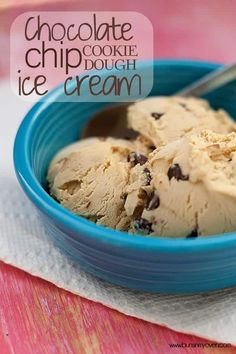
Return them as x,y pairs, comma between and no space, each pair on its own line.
89,178
113,117
192,190
163,119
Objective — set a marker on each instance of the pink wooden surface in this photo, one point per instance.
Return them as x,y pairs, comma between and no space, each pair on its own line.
35,316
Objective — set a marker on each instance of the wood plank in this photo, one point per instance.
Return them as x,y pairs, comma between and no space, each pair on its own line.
37,317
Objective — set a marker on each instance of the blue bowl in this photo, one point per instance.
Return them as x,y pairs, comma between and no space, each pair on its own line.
150,264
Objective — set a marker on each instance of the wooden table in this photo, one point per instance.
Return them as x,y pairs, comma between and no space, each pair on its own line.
36,317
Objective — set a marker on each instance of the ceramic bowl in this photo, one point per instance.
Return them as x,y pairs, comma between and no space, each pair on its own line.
146,263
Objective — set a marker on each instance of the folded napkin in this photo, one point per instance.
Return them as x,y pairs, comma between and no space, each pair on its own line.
25,244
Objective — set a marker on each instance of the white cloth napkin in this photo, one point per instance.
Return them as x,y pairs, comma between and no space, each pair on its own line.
24,244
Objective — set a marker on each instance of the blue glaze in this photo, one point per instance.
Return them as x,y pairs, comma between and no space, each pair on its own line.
139,262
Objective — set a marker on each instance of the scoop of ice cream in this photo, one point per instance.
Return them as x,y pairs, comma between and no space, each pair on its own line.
164,119
191,189
89,178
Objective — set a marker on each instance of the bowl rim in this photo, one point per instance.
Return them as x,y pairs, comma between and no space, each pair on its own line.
79,224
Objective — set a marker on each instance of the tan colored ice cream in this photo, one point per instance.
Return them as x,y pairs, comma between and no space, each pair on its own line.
177,178
164,119
89,178
192,190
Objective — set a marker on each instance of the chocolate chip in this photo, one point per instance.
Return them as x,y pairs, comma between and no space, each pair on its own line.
157,115
184,106
148,176
142,225
124,196
153,201
176,172
194,233
136,157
